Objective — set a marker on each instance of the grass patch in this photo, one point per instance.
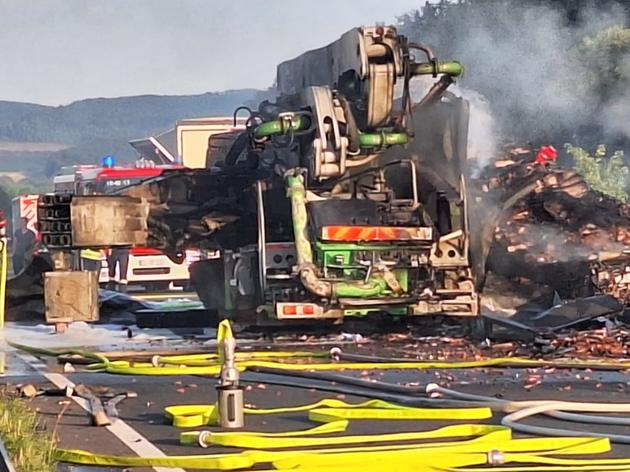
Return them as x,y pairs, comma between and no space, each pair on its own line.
30,448
606,174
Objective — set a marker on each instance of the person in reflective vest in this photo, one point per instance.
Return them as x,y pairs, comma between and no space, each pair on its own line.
91,259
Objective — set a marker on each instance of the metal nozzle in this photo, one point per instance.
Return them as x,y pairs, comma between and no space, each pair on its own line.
231,412
230,395
229,372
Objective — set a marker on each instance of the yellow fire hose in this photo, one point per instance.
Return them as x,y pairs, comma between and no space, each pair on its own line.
201,364
595,466
329,410
473,444
213,359
210,364
440,455
184,367
419,456
288,439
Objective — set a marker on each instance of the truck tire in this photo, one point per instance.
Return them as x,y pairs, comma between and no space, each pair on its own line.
207,278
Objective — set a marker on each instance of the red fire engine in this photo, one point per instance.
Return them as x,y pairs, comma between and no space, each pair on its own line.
147,267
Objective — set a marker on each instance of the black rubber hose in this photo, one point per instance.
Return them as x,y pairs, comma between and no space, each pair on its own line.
271,379
343,379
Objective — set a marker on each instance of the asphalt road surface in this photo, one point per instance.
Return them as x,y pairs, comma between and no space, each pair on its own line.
144,414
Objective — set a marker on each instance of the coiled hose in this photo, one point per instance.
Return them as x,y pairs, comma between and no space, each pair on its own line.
519,410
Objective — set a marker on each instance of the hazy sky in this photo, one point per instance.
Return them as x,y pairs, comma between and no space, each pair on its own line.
57,51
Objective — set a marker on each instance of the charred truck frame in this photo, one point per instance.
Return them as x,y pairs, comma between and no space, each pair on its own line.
340,199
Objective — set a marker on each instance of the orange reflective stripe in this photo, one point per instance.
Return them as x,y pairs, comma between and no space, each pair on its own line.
341,232
367,233
374,233
390,233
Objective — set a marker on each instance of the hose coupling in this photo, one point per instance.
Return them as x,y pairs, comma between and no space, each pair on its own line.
495,457
203,438
335,353
432,390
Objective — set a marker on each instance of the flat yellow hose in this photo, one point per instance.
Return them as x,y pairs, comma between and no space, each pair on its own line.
328,410
122,367
290,439
210,364
427,456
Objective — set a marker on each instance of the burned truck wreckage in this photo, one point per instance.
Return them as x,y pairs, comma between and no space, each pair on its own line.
316,209
344,198
545,226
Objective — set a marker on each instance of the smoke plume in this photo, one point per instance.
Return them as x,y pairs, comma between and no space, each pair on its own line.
527,59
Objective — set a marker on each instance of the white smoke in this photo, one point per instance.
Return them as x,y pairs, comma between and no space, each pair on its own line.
483,134
525,59
616,117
